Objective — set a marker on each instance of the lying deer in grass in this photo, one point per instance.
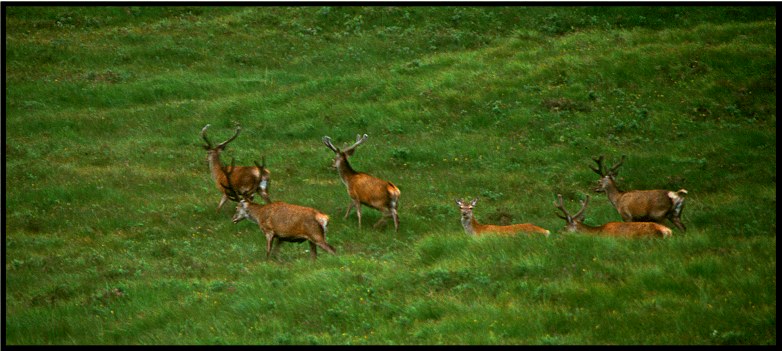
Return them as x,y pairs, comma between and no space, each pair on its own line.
472,227
364,188
614,229
640,205
281,221
247,179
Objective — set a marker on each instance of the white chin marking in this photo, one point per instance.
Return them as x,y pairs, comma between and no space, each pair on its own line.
264,184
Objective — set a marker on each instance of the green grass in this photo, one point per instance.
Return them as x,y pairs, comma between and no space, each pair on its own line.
112,235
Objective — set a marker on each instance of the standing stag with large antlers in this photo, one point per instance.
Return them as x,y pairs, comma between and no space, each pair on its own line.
247,179
640,205
615,229
472,227
364,188
280,221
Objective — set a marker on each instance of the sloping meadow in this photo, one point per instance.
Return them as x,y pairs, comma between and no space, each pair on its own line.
112,236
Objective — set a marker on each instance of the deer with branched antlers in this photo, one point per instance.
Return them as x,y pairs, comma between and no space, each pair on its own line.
640,205
280,221
247,179
363,188
613,229
472,227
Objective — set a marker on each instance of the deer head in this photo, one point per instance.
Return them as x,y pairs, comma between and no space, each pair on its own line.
341,156
215,150
364,188
466,208
573,222
607,175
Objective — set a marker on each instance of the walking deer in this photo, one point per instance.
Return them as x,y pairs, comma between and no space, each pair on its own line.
364,188
281,221
640,205
613,229
472,227
247,179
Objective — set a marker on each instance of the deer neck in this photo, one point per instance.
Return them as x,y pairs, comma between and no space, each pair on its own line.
612,192
253,212
215,165
345,170
470,225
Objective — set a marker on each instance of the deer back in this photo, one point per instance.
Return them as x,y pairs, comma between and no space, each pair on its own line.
371,191
651,205
513,229
631,230
288,220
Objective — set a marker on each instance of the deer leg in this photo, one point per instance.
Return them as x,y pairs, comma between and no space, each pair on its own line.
269,244
349,208
383,218
358,213
313,250
395,215
222,201
678,223
325,246
276,248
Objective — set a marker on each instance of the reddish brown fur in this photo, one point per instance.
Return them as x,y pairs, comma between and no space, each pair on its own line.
246,179
363,188
640,205
471,225
287,222
613,229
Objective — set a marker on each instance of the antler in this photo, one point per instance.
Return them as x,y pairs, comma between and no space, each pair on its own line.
327,141
558,204
584,204
230,191
208,145
359,140
599,169
262,165
613,169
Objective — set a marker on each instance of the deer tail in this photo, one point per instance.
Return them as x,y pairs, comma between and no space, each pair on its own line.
393,194
323,221
678,200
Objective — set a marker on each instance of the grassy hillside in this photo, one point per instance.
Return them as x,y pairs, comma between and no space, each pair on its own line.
112,235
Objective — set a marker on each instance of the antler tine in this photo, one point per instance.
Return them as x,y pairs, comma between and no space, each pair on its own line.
613,169
236,134
327,142
583,207
359,140
599,169
558,204
203,135
263,163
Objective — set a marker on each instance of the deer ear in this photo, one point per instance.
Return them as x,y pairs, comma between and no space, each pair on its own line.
474,201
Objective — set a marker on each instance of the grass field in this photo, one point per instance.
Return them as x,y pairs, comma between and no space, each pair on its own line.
111,233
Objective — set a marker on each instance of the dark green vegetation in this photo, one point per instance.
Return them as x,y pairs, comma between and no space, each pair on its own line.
112,235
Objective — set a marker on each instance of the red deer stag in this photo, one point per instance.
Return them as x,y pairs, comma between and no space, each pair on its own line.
613,229
247,179
281,221
364,188
640,205
472,227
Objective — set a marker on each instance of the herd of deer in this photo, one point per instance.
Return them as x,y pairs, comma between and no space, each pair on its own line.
642,211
